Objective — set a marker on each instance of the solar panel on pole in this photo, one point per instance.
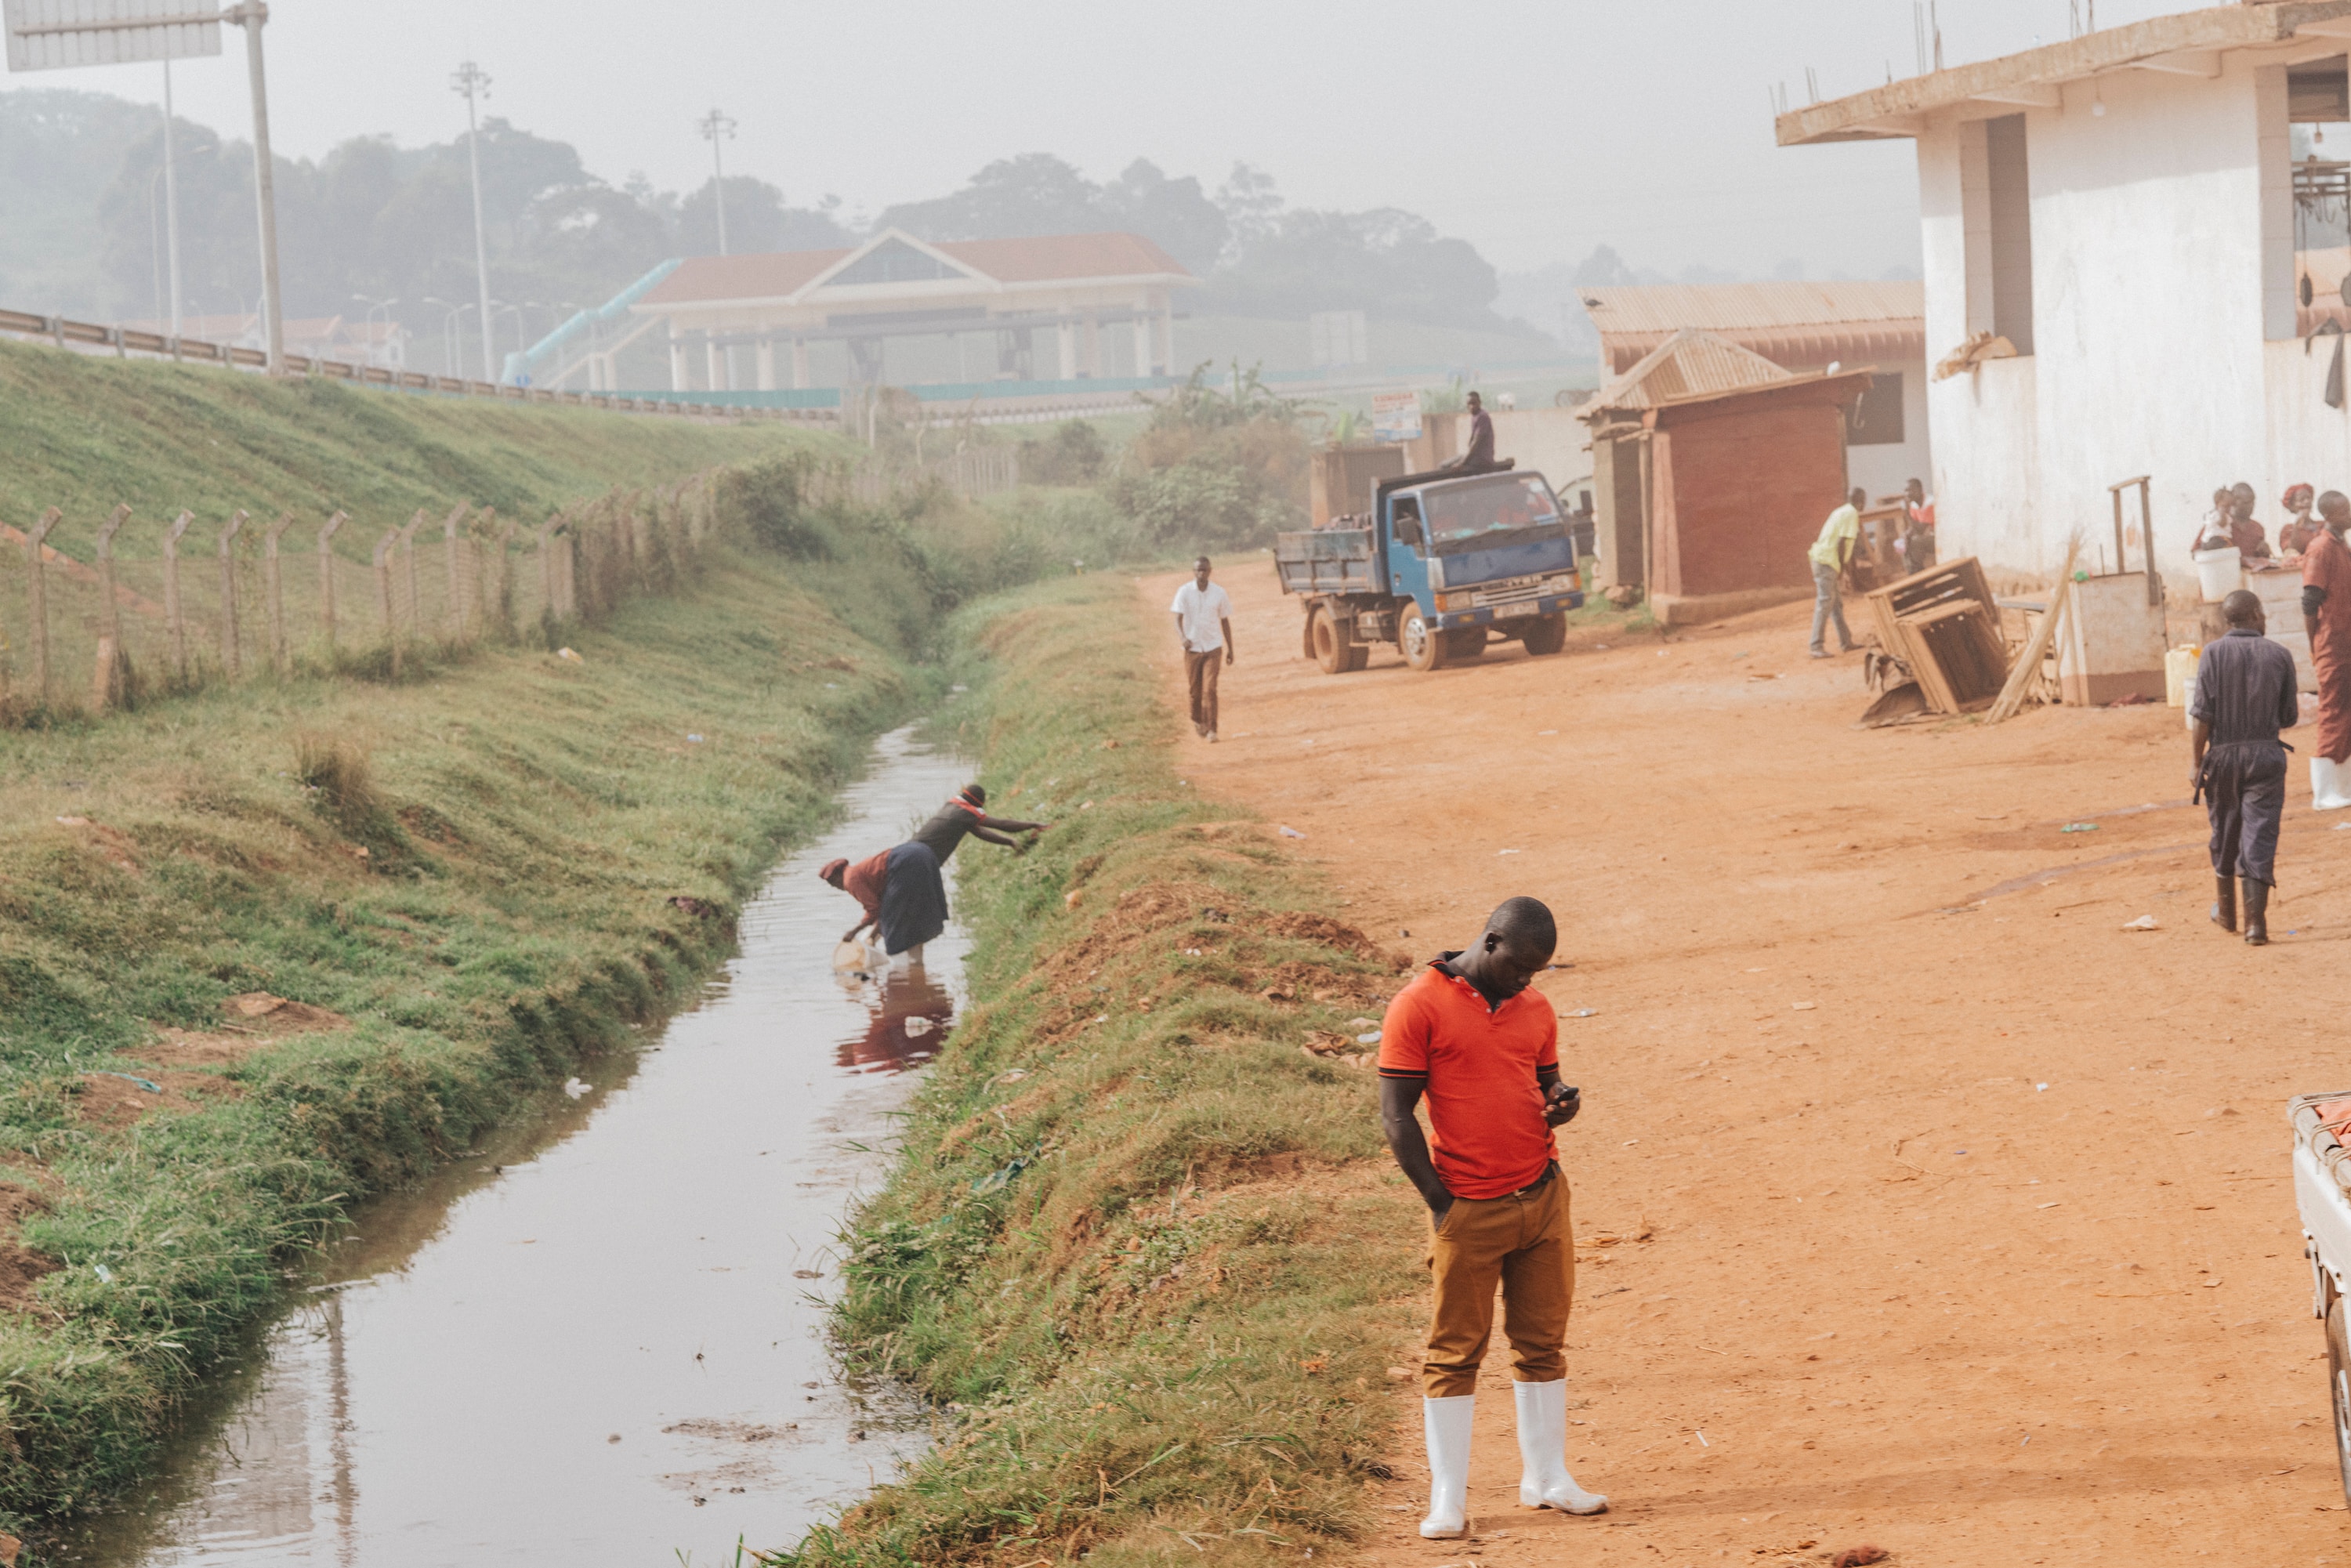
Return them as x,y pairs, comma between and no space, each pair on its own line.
53,35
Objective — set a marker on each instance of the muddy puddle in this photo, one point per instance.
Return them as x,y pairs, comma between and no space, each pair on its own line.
599,1339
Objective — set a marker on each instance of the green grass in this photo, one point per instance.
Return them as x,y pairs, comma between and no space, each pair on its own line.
493,870
1140,1244
84,432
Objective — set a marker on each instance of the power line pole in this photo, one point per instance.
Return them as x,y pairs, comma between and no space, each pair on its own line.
715,128
474,82
171,199
251,16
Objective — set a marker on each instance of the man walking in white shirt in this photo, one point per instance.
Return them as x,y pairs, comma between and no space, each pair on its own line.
1204,620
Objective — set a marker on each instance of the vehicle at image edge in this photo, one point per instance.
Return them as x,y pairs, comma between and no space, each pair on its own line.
1442,563
2321,1168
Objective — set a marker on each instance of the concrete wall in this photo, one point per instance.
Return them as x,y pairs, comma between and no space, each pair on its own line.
2155,277
1550,441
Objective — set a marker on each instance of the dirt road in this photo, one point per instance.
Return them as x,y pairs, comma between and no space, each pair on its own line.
1968,1224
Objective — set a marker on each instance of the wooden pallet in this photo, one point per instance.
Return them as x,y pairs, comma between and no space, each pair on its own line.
1942,622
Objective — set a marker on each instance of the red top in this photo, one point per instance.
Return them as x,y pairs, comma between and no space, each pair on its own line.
1485,1108
864,882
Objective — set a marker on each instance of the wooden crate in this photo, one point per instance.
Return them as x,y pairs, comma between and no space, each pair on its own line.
1942,622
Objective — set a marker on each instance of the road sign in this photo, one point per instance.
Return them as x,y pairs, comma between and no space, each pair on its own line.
51,35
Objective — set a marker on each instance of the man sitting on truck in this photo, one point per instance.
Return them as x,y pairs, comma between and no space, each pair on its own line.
1479,458
1483,1048
2245,692
1204,624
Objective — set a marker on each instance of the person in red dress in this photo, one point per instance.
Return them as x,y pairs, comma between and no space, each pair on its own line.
2326,616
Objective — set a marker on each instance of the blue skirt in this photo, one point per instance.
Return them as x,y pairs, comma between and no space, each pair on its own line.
913,898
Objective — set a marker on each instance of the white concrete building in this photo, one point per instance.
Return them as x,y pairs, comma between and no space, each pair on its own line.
1046,304
2152,218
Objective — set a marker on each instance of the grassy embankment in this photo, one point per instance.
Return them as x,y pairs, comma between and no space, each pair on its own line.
1142,1244
468,882
84,433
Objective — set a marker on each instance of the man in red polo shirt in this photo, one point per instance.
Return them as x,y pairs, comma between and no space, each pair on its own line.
1484,1049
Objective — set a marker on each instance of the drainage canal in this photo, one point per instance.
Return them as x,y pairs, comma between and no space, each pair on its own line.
599,1338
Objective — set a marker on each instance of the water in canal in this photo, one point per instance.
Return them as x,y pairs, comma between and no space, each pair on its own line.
599,1341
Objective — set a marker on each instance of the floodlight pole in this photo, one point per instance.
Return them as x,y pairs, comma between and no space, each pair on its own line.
252,15
717,127
474,82
171,199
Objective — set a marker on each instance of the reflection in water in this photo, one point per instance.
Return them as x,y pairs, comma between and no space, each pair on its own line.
598,1339
911,1015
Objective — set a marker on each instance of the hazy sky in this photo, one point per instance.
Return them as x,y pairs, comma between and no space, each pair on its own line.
1535,129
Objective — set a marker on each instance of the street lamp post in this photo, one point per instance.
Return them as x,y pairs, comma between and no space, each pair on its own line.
717,128
474,84
373,306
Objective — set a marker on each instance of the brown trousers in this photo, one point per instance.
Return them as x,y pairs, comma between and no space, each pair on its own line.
1200,675
1527,1245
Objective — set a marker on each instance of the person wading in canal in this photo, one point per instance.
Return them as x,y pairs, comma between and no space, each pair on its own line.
903,894
1204,621
2326,616
1470,1036
2244,695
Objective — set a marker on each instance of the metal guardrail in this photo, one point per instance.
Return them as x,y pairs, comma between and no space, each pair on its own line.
84,336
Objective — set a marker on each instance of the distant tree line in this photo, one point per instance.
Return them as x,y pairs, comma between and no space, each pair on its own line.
81,219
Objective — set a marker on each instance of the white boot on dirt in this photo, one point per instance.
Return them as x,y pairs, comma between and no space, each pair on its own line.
2330,785
1446,1423
1543,1451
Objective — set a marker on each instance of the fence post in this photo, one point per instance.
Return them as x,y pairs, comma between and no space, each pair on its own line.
453,614
229,659
383,547
110,614
274,588
174,619
501,602
327,580
408,570
36,587
551,606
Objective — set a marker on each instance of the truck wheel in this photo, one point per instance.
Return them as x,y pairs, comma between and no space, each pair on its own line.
2338,1390
1464,644
1422,645
1546,635
1334,643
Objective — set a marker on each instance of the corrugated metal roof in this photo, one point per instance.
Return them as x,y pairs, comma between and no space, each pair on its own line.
1687,365
1787,323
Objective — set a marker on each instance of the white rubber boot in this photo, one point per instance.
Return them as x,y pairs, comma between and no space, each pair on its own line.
2330,785
1543,1450
1446,1422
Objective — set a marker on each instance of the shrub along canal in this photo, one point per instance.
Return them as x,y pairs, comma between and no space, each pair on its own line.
599,1338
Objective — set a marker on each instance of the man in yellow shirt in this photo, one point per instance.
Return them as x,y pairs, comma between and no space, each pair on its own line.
1829,554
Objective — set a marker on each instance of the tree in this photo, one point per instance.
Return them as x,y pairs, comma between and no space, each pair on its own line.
757,220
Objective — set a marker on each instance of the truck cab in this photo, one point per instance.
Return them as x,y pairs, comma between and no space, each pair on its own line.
1442,563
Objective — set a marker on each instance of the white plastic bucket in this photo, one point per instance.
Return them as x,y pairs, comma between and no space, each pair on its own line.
2220,572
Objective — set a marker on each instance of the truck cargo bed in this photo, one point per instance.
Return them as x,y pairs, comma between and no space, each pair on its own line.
1326,561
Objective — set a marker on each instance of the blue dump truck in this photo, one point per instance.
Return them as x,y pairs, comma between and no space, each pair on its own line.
1442,563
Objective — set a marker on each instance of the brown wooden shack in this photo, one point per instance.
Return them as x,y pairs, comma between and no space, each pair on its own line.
1713,471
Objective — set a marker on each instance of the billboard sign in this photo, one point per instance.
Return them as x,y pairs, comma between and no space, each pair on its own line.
1395,416
52,34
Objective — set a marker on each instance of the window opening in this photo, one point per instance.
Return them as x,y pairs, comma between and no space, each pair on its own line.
2010,189
2319,105
1875,417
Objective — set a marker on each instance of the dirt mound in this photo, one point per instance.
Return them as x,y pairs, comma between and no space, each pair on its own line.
20,1269
249,1022
115,1100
